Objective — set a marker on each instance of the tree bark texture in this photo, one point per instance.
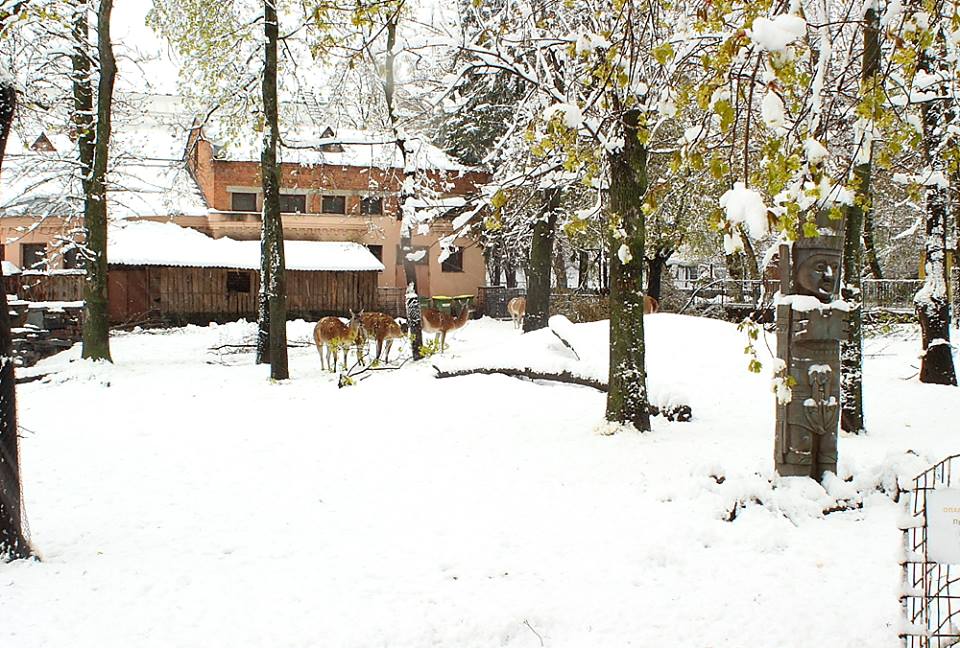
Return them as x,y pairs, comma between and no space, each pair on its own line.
407,208
931,301
627,398
851,349
540,263
94,144
13,542
583,269
272,245
559,263
655,266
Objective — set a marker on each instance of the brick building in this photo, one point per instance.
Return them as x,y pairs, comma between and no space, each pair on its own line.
337,185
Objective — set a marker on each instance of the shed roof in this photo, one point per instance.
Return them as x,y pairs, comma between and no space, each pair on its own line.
168,244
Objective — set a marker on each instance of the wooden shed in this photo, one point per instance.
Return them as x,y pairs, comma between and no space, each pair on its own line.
164,272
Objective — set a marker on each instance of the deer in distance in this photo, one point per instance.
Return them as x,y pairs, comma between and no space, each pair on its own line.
517,307
440,323
332,334
383,329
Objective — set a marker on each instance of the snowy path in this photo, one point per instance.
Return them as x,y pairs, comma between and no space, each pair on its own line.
210,508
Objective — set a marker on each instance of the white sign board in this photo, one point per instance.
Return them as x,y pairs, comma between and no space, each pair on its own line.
943,526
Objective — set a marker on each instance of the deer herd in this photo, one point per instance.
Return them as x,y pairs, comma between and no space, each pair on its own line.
332,336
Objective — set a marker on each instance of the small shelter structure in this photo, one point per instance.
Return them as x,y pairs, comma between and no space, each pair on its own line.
168,273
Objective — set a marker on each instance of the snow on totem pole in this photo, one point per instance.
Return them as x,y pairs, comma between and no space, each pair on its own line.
811,321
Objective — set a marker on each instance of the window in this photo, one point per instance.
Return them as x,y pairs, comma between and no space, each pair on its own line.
32,254
72,260
371,206
293,203
420,255
453,263
333,205
377,251
330,147
243,202
238,282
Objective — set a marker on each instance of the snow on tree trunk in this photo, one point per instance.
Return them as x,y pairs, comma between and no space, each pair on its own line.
407,195
96,323
13,543
538,268
933,307
627,398
272,244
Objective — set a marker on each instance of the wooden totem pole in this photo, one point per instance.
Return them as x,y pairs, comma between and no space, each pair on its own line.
810,324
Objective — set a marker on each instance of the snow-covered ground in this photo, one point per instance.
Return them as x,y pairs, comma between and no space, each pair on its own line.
179,499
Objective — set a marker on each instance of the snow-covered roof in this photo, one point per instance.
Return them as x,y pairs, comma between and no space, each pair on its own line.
168,244
346,147
9,268
147,175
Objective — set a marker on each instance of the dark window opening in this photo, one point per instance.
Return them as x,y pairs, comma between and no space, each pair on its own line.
377,251
72,260
238,282
371,206
333,205
33,255
453,263
420,253
243,202
330,147
293,203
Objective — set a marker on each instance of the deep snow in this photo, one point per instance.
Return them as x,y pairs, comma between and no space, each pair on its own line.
180,499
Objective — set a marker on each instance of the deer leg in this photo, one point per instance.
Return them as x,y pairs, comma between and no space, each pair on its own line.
386,348
322,349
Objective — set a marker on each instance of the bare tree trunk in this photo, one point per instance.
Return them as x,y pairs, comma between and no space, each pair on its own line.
851,349
559,263
870,247
272,245
407,208
655,266
510,269
94,143
627,400
13,543
583,269
933,307
538,268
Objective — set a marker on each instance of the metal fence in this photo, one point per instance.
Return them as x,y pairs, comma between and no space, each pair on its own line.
878,294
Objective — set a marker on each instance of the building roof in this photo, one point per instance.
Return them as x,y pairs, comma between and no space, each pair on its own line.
334,146
168,244
147,175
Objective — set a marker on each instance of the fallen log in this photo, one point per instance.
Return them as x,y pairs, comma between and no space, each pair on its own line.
681,413
563,376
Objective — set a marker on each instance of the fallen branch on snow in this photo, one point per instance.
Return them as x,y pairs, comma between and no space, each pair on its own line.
681,413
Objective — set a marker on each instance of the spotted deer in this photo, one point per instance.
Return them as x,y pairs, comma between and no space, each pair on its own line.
382,328
438,322
517,307
331,333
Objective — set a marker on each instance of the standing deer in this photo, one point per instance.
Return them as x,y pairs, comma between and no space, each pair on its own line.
332,333
517,307
384,329
650,305
438,322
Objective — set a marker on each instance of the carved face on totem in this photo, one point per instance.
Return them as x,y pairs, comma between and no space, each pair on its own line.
817,273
